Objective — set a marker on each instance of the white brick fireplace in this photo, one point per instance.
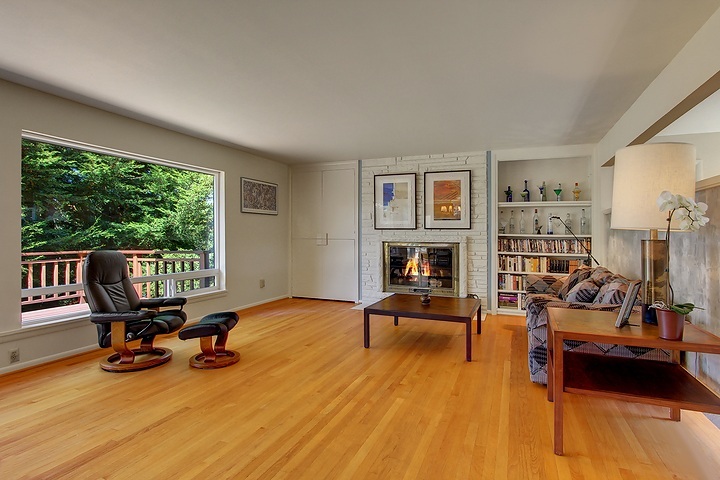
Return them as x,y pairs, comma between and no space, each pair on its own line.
473,256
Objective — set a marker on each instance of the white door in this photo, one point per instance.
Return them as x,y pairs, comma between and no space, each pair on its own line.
324,233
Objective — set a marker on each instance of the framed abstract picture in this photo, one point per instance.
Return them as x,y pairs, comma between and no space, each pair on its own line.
447,199
395,201
258,197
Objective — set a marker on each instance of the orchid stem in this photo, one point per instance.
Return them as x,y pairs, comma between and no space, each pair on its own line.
667,257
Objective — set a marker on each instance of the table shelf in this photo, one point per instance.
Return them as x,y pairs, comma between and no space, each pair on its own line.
642,381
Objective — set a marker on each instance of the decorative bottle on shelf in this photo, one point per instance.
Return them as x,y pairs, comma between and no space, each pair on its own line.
522,221
576,192
508,194
502,223
550,224
511,223
558,191
536,223
568,225
526,193
583,223
543,190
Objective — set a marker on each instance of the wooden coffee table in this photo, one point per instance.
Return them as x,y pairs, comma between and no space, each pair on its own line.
631,380
444,309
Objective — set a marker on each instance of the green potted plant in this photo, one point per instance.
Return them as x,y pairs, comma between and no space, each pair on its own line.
671,318
670,315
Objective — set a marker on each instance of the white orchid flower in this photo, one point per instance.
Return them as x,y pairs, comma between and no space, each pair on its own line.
691,214
666,201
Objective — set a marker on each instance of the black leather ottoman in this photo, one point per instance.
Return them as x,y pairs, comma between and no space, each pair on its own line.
215,324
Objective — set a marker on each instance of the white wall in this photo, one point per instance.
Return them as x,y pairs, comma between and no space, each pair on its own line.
257,246
473,241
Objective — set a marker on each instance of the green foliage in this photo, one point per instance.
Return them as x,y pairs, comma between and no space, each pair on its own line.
79,200
679,308
683,308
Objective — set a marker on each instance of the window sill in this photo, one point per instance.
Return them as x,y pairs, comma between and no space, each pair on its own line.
60,323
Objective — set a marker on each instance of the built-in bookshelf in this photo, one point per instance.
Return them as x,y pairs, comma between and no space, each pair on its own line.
519,249
521,255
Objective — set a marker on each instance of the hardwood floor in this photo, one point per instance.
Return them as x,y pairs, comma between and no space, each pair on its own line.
307,401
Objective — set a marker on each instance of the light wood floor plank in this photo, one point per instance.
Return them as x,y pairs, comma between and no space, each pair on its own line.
308,401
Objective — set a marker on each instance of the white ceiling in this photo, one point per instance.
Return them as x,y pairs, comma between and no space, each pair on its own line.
331,80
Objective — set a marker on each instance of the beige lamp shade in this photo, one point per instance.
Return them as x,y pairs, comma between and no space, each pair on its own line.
641,173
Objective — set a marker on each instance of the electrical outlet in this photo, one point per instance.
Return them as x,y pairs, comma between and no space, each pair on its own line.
262,283
14,355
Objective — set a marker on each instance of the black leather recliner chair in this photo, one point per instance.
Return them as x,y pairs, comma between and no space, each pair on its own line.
122,316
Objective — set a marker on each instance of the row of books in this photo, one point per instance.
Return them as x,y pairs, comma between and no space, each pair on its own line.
508,281
519,263
511,300
541,245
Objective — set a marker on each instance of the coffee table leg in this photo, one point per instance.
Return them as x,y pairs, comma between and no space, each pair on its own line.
468,340
477,317
366,327
396,321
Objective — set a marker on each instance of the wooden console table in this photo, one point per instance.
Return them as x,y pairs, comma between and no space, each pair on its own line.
445,309
632,380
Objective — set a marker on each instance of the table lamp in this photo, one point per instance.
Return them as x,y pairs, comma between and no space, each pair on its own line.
641,173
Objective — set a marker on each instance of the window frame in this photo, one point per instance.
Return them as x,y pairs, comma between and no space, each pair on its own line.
170,279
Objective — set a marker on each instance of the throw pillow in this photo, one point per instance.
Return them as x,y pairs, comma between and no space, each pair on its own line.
577,276
583,292
543,284
612,292
601,275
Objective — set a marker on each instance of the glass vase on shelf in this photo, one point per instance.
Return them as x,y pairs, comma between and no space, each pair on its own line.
568,225
511,222
522,221
502,223
583,223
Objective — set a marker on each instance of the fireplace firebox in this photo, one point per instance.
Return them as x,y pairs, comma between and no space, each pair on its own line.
413,267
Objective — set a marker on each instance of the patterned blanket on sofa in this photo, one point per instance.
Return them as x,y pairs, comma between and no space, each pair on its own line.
586,289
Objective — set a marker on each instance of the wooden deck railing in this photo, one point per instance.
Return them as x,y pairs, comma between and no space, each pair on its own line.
61,269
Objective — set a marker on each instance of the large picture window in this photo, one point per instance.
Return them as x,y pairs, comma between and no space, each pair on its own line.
77,198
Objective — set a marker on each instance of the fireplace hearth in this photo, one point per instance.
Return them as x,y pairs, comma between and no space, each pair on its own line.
416,267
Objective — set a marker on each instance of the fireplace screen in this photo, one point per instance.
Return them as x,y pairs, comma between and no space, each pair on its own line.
412,266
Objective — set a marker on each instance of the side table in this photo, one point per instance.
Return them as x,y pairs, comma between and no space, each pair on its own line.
631,380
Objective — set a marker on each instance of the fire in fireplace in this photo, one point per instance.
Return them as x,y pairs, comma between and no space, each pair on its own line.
410,267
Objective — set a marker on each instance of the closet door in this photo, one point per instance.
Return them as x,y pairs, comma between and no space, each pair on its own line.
324,233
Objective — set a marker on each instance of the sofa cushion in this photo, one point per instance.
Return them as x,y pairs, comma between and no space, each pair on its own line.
577,276
612,292
584,291
601,275
544,284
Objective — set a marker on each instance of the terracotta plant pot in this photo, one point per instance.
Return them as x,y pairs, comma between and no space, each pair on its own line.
670,324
